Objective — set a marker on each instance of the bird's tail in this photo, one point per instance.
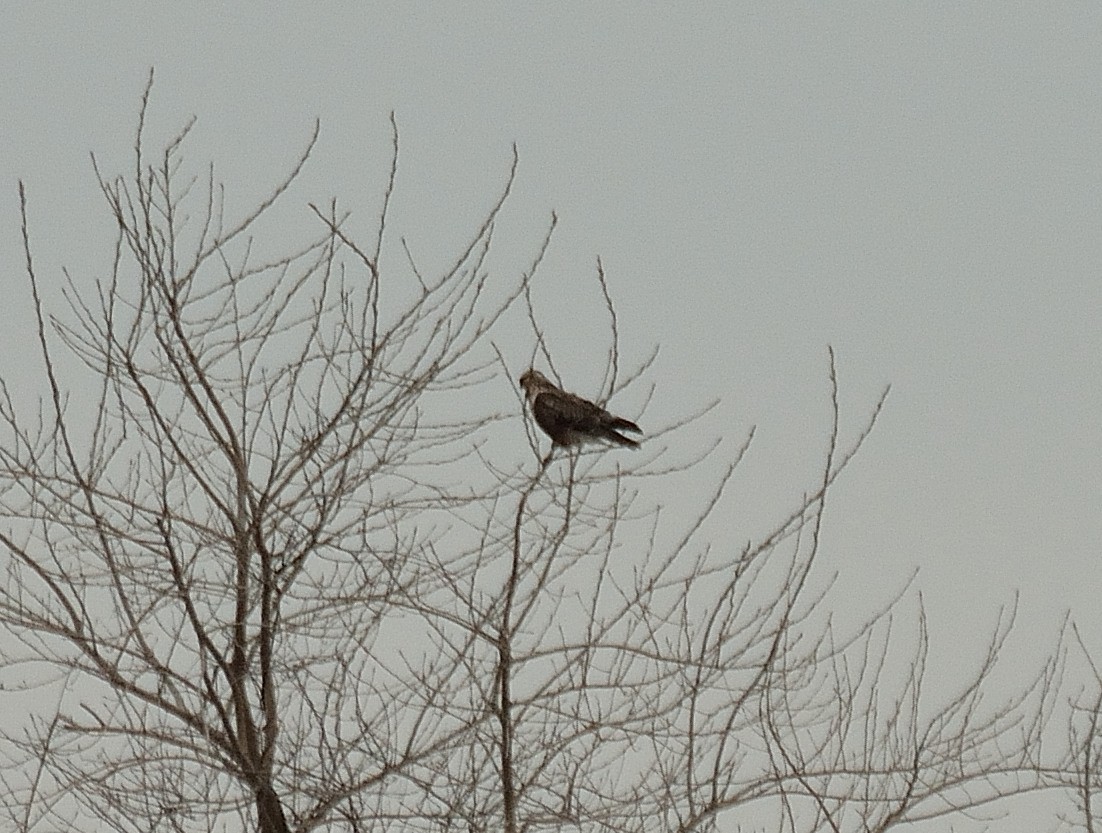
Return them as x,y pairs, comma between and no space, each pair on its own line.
625,424
617,437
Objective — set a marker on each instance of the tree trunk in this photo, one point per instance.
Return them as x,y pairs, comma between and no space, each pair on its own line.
270,812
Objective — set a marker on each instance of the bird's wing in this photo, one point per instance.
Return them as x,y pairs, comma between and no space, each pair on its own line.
560,414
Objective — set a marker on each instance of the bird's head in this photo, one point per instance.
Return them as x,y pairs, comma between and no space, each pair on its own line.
533,382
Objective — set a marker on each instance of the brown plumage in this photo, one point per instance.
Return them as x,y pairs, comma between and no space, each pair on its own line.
570,420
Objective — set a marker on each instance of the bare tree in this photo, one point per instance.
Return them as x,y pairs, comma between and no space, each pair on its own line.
276,571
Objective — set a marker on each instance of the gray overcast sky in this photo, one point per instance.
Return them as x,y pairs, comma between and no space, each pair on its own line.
917,184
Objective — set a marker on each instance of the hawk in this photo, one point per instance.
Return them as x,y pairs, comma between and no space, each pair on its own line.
570,420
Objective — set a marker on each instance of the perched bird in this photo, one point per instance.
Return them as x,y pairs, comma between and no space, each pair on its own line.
570,420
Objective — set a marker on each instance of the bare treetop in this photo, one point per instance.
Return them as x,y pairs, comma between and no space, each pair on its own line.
286,579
